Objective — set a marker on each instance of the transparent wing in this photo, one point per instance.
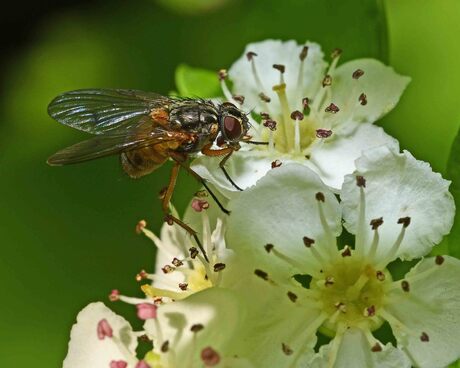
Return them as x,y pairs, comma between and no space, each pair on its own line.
98,111
109,144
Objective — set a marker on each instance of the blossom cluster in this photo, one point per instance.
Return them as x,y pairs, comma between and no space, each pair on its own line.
300,274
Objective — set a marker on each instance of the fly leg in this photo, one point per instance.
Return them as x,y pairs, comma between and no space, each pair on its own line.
180,161
221,152
169,218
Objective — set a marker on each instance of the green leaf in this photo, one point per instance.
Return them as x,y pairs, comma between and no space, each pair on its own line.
453,173
196,82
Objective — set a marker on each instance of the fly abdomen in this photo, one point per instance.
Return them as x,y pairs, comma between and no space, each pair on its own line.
140,162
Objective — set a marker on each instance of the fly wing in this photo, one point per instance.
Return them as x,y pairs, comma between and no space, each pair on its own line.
98,111
109,144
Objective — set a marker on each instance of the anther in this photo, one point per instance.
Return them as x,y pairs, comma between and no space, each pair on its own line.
320,197
269,247
276,163
405,286
369,311
308,242
201,194
405,221
142,275
375,223
332,108
199,205
362,99
376,348
336,53
183,286
380,276
341,307
250,55
146,311
262,274
118,364
165,347
140,226
327,80
104,329
177,262
305,103
219,267
162,192
142,364
292,297
296,115
286,349
210,357
167,269
239,99
304,53
264,97
346,251
114,295
439,260
193,252
270,124
323,133
222,74
144,338
169,220
360,181
330,280
264,116
280,67
424,337
358,73
196,327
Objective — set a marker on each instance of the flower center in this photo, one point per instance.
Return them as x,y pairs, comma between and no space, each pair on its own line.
350,293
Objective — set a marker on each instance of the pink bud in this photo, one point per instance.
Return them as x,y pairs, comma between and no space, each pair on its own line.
142,364
146,311
118,364
104,329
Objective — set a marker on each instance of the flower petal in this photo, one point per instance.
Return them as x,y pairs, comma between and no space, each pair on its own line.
398,186
355,351
336,157
381,85
431,306
271,52
281,209
220,312
87,350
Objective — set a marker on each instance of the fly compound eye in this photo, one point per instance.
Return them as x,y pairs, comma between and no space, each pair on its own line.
232,128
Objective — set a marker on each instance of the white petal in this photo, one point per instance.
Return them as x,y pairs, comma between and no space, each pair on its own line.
355,351
381,84
271,52
244,167
432,306
336,156
398,185
86,350
281,209
221,313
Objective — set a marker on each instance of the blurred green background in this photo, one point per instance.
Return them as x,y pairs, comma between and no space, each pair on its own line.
67,234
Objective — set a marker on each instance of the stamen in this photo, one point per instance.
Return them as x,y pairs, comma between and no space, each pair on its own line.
327,80
346,251
154,292
323,133
262,274
118,364
358,73
239,98
114,295
335,343
332,108
140,226
405,286
270,248
391,255
395,323
165,347
146,311
297,116
331,241
104,329
276,163
219,267
199,204
336,53
439,260
303,55
142,364
424,337
271,125
292,297
375,224
361,230
281,68
362,99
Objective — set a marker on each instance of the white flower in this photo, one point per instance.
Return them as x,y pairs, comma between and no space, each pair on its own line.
323,114
186,333
397,208
180,268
